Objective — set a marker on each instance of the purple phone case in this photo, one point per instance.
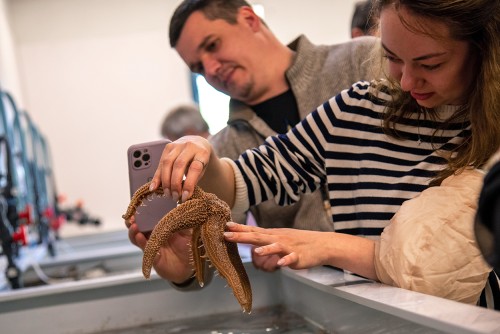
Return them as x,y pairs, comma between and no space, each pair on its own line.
143,159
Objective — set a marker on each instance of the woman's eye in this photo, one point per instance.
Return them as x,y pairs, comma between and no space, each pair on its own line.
391,58
431,67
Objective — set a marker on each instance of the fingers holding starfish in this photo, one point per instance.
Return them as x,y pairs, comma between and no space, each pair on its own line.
182,164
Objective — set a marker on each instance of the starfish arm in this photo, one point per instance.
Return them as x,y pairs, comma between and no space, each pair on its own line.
226,259
138,198
190,214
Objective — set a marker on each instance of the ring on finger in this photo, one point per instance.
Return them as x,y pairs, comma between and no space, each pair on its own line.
200,161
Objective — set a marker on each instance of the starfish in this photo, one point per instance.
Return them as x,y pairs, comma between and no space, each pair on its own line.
207,215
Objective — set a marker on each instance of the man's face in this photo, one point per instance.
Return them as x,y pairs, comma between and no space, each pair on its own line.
227,55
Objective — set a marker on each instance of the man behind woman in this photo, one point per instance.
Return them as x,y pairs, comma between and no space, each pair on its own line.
432,122
227,43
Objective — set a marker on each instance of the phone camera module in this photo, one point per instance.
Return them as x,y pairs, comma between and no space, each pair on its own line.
137,153
146,157
137,163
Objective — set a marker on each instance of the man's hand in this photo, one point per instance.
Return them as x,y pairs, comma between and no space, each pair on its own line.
173,260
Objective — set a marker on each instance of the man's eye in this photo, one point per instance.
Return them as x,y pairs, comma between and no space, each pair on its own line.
198,69
212,46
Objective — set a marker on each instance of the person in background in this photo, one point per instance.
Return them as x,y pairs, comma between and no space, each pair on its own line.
403,151
184,120
272,87
363,21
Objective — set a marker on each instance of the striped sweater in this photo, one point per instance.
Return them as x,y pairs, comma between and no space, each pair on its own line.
317,73
369,174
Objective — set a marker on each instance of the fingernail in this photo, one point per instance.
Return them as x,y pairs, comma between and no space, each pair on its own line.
228,234
167,193
152,186
280,262
230,224
175,196
185,194
258,250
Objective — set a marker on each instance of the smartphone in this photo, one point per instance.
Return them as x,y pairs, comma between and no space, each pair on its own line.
143,160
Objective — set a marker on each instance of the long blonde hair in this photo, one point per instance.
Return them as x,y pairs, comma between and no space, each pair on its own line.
478,23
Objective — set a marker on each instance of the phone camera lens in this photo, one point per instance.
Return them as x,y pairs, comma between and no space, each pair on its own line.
137,154
146,157
137,163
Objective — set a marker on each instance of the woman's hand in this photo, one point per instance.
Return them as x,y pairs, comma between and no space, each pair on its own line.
301,249
194,158
297,249
187,156
172,262
266,263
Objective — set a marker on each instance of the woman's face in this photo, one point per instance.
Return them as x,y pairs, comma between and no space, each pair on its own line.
434,71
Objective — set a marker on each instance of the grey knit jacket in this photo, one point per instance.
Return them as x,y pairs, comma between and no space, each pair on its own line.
317,74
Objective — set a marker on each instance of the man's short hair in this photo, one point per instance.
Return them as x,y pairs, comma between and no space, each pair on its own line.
362,17
226,10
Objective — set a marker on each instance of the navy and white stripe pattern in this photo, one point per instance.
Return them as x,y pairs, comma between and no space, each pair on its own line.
369,173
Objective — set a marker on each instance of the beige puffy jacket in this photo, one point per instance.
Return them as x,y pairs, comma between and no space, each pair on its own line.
430,246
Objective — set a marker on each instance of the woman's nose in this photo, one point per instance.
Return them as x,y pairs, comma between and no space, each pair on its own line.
409,79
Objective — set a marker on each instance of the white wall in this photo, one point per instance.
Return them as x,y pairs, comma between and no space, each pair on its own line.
9,76
98,76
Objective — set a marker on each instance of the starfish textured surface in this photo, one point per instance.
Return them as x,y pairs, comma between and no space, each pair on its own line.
207,215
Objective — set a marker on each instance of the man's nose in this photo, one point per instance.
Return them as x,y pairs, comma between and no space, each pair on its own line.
210,65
